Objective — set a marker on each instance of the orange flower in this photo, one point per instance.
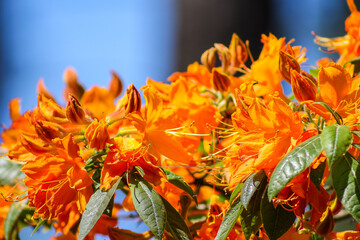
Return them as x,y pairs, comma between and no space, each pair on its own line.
55,181
97,134
123,156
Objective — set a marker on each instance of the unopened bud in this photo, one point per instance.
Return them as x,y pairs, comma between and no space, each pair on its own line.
287,63
220,81
50,110
303,87
208,58
115,86
224,56
74,111
48,130
34,144
133,102
326,223
97,134
238,51
41,89
72,85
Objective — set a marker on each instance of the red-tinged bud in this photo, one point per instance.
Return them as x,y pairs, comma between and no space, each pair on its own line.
131,102
208,58
220,81
238,51
34,144
50,110
48,130
303,87
74,111
41,89
224,56
97,134
72,84
287,63
115,86
326,223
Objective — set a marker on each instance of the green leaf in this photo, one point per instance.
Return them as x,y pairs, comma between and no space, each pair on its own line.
293,164
148,204
175,223
314,72
40,223
10,172
177,181
95,208
316,237
335,114
12,218
140,170
335,140
251,196
229,220
251,186
357,133
236,192
317,174
276,221
345,175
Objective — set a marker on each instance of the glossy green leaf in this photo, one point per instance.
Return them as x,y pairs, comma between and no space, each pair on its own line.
12,218
316,175
229,219
175,223
236,192
148,204
251,195
293,164
345,175
10,172
40,223
276,221
251,186
95,208
177,181
335,140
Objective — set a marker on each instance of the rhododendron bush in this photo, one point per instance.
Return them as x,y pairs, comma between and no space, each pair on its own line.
217,152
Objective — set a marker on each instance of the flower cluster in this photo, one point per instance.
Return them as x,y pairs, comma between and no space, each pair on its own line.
218,152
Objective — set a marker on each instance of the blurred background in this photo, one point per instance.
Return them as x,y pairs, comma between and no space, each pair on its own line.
140,39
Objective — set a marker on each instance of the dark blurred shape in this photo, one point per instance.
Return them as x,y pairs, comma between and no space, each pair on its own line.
205,22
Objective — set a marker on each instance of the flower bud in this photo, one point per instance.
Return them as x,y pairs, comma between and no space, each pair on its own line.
74,111
115,86
41,89
133,103
97,134
238,51
50,110
287,63
48,130
72,84
34,144
303,87
326,223
208,58
224,55
220,81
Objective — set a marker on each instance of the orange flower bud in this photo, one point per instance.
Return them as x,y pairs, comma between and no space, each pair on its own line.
238,51
74,111
35,144
97,134
220,81
50,110
287,63
224,55
115,86
48,130
208,58
304,88
41,89
326,223
131,101
72,84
